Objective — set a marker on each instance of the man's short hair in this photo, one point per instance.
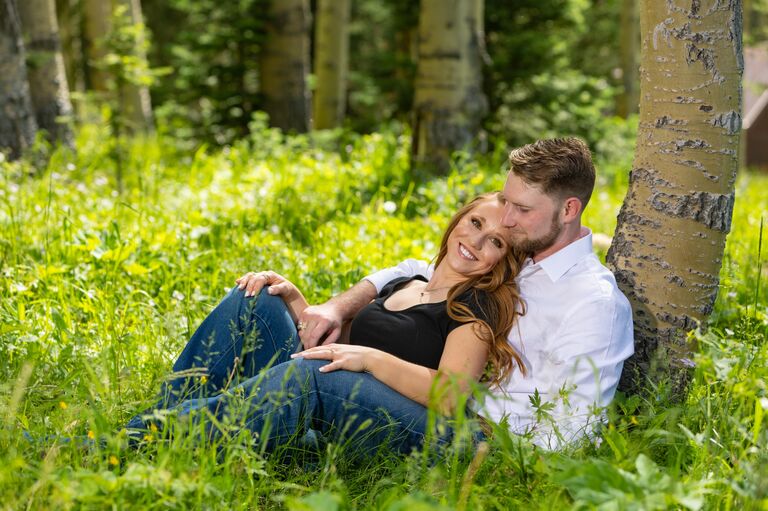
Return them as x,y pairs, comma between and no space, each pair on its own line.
559,167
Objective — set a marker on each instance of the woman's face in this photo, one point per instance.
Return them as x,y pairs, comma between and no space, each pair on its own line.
479,240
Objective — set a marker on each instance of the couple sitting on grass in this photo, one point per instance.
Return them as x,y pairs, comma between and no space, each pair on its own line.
516,299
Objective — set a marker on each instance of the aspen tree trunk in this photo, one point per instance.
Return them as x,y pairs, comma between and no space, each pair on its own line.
45,69
17,121
285,63
669,242
97,21
331,63
627,101
449,103
134,98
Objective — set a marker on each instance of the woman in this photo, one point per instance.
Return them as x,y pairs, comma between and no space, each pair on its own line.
415,334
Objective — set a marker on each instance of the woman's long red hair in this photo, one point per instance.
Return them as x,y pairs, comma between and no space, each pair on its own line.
502,307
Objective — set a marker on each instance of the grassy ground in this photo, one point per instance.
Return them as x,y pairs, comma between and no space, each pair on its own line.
100,290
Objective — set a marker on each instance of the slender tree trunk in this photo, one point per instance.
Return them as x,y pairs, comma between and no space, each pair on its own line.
285,63
449,103
627,101
96,26
669,242
45,69
331,62
17,120
135,98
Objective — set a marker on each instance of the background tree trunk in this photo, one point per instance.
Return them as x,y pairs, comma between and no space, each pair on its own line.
134,98
669,242
97,21
17,121
629,34
331,63
449,103
285,63
45,69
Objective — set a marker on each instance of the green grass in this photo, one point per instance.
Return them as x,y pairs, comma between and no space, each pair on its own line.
99,292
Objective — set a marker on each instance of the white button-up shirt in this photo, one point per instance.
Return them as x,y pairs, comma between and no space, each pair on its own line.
574,338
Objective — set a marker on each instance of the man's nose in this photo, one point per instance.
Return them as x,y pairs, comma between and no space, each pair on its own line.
508,220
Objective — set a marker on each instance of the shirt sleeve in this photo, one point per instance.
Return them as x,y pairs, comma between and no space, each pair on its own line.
591,346
408,268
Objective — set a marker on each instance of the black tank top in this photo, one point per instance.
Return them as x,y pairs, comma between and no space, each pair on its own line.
416,334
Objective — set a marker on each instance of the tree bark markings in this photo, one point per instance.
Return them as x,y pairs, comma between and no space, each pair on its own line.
671,230
45,69
17,121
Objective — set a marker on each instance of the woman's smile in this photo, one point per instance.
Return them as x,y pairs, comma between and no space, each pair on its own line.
465,253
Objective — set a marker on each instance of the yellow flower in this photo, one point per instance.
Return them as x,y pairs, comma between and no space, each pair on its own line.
153,428
633,420
148,438
113,460
203,380
91,434
62,405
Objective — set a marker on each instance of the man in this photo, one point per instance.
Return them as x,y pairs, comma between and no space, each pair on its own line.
577,328
573,338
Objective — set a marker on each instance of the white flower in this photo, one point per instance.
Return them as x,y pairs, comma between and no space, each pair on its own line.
177,296
390,207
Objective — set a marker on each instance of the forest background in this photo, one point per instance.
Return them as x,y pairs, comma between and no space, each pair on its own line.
126,219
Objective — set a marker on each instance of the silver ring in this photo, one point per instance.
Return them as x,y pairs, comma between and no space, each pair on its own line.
300,326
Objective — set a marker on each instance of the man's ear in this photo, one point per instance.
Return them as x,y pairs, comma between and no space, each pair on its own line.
571,209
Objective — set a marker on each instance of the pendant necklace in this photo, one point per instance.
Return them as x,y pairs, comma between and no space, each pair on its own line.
429,292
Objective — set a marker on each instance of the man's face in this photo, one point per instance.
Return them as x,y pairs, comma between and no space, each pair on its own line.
532,216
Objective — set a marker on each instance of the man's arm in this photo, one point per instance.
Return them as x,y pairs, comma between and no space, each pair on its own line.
323,323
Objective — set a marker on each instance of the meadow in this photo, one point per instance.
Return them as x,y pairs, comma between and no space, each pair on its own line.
100,290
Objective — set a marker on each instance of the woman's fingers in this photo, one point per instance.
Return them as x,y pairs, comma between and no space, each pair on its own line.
253,282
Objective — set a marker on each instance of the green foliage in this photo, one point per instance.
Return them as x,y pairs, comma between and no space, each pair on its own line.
99,291
213,50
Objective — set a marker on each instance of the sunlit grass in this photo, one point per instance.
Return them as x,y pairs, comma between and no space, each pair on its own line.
99,293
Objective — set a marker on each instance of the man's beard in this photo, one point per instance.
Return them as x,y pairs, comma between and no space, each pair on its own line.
534,246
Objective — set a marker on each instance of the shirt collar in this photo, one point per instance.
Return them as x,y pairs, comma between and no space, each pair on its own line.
557,264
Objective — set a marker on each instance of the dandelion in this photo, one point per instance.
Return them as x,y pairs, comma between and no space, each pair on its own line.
113,460
62,405
91,434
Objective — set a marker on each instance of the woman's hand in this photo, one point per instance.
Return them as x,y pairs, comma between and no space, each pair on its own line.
253,282
349,357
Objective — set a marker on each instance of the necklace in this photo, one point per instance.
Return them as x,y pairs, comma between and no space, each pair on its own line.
429,292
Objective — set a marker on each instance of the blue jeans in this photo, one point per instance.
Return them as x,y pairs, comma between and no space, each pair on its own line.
237,369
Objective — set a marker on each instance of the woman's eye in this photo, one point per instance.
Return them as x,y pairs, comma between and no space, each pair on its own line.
476,222
497,242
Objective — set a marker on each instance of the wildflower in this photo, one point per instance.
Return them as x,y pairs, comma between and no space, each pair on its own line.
148,438
91,434
62,405
203,380
113,460
633,420
153,428
390,207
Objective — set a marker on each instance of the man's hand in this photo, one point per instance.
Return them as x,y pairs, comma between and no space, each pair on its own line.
321,324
